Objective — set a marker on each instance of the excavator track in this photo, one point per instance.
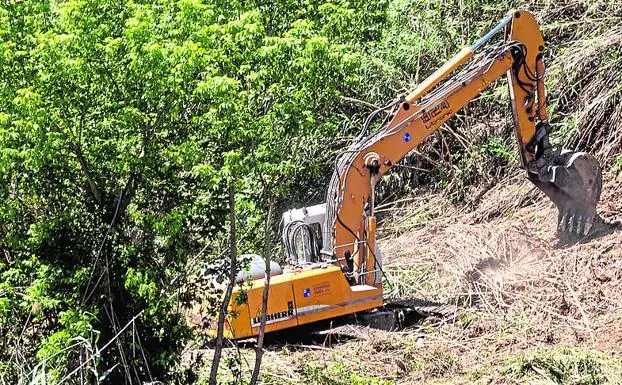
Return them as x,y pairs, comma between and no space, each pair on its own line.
424,308
396,315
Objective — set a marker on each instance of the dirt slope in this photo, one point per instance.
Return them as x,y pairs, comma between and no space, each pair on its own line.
503,258
533,311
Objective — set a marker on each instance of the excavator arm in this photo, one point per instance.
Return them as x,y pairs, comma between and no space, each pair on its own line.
571,180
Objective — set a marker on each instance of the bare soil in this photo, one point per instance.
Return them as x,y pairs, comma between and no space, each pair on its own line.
532,310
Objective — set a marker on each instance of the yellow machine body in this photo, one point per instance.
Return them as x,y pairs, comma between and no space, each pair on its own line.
296,298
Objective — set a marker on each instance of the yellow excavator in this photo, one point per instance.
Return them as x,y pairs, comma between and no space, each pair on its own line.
335,264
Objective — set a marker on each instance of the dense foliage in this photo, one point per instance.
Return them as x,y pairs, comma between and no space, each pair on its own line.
122,126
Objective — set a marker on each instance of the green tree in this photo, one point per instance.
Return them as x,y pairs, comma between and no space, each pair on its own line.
122,126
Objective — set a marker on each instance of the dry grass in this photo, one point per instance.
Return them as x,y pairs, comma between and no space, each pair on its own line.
532,311
588,88
518,288
493,255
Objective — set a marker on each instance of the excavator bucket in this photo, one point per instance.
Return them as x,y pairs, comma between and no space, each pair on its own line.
573,181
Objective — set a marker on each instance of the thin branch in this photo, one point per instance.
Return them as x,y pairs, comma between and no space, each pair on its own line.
84,165
264,305
102,348
358,101
225,302
88,294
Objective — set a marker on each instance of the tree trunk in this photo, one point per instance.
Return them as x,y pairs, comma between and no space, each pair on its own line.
264,305
225,302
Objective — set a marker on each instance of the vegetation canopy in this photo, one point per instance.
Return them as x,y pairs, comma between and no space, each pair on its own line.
122,125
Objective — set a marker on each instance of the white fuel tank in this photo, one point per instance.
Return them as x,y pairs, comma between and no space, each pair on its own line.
257,268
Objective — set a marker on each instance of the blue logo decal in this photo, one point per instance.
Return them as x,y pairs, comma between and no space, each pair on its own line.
306,292
406,137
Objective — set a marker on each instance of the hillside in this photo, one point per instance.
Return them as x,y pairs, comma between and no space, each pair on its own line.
531,310
475,233
145,146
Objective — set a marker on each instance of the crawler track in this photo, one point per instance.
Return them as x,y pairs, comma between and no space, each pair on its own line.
396,315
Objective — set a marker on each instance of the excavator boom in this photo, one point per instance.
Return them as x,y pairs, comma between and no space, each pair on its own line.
572,180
